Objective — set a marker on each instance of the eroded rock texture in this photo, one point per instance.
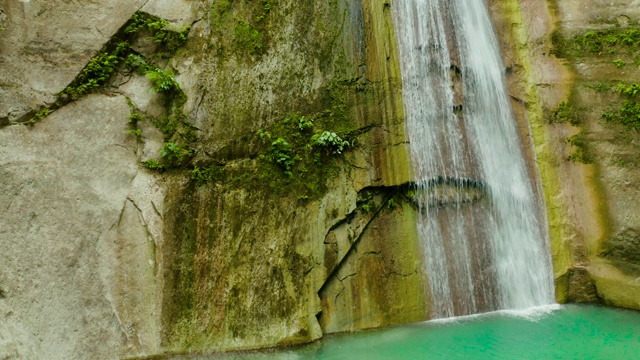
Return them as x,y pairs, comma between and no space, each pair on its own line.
103,258
588,165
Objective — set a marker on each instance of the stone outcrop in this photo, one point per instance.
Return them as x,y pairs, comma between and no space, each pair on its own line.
588,167
106,259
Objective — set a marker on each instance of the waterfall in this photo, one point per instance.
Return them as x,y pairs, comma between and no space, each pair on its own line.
484,238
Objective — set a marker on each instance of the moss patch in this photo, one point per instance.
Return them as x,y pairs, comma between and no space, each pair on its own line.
99,71
597,43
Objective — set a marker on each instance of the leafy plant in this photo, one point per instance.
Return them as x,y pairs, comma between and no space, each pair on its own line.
619,63
97,72
174,153
169,40
40,115
628,114
163,82
153,164
629,90
282,155
304,123
331,141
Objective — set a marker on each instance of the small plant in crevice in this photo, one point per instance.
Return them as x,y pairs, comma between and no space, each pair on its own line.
97,72
153,164
40,115
175,154
135,117
280,153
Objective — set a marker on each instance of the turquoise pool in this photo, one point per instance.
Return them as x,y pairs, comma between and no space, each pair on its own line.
559,332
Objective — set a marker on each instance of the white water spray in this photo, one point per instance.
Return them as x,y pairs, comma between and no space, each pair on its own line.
492,254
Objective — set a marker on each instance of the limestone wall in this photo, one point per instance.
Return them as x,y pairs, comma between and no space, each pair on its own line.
104,257
588,166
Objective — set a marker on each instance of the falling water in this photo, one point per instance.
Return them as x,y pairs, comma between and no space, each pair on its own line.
485,242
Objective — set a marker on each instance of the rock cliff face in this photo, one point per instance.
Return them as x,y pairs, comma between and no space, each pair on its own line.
184,201
160,211
566,60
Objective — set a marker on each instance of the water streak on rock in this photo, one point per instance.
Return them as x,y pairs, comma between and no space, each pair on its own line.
484,255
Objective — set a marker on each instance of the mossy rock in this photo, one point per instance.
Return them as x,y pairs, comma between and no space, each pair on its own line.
623,250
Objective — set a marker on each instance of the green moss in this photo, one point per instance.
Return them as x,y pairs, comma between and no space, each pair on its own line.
247,38
248,21
118,51
565,113
628,114
581,153
134,120
169,41
297,154
98,71
181,281
596,42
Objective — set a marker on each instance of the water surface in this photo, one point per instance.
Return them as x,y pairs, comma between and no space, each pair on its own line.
569,332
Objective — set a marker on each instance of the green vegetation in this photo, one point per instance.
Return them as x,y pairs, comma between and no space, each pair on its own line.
619,63
247,38
248,22
175,154
631,90
134,119
600,86
581,154
565,113
330,141
40,115
295,158
100,69
618,46
597,42
153,164
305,157
628,114
97,72
169,41
207,174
